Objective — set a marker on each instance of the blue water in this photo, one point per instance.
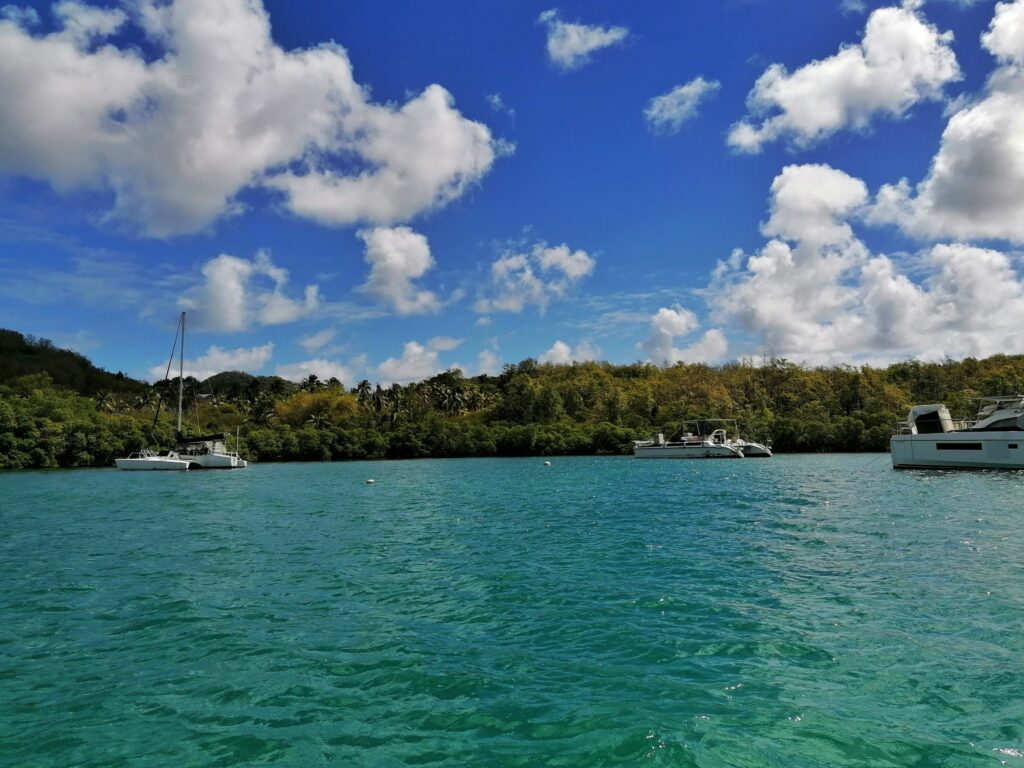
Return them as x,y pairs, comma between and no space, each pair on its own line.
798,611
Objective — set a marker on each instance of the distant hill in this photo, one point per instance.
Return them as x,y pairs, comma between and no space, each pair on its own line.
236,384
22,355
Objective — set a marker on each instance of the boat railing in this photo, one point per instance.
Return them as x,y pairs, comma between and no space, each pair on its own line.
906,428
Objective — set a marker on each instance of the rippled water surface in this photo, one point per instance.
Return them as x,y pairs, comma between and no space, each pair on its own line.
798,611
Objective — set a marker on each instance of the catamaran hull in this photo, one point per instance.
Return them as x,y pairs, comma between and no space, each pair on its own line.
958,450
686,452
151,464
217,461
755,450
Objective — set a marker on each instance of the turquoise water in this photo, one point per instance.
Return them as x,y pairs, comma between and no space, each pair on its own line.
798,611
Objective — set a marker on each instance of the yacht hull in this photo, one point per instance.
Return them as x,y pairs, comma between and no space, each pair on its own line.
958,450
686,452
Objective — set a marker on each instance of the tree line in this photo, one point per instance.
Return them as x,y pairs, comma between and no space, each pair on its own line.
529,409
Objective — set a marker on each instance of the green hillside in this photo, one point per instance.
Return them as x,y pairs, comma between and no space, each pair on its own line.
22,355
237,384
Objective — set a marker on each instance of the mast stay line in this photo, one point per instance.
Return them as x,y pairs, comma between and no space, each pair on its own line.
170,361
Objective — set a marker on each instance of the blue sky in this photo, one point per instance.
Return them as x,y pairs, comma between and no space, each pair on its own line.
384,190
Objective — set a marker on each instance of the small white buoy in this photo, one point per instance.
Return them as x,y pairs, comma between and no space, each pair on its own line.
371,481
547,463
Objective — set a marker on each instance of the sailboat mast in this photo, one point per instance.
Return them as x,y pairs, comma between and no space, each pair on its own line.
181,372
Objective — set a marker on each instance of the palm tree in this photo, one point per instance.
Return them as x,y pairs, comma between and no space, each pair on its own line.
105,401
144,400
452,401
262,411
363,391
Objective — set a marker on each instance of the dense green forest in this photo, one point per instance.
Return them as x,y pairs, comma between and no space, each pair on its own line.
58,410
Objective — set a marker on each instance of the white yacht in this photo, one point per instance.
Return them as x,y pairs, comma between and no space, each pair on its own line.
202,452
149,460
930,438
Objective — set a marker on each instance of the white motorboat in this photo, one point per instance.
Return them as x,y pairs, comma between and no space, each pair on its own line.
689,446
716,445
150,460
931,439
202,452
748,448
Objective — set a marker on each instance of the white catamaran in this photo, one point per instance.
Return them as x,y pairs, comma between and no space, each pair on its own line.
717,445
199,452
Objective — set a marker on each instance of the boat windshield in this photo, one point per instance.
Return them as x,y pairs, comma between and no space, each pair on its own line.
989,405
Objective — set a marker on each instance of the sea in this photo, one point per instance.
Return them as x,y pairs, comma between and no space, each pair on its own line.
819,610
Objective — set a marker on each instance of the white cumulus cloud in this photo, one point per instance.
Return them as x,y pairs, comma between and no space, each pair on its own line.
488,362
901,61
423,156
670,324
668,112
973,189
561,353
536,277
397,256
811,203
319,367
418,361
1005,35
217,360
570,45
815,292
219,107
238,293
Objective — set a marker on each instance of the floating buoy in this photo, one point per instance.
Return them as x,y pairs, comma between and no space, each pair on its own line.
371,481
547,463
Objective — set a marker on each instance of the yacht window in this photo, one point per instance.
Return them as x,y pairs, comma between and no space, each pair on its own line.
929,423
1012,445
958,446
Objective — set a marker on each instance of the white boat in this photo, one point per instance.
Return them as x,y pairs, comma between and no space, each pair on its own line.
717,445
752,450
149,460
931,439
209,452
689,446
202,452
